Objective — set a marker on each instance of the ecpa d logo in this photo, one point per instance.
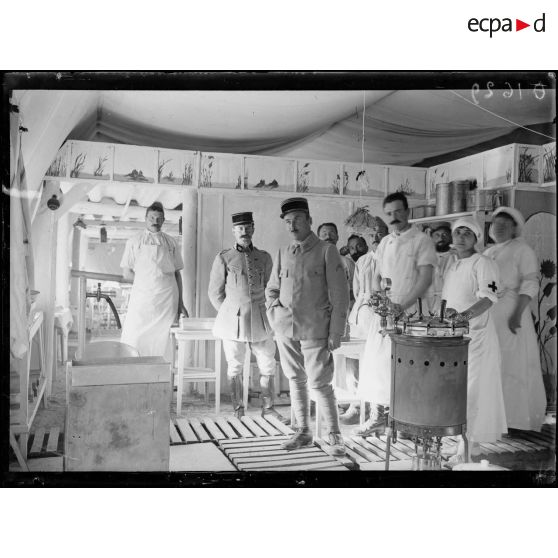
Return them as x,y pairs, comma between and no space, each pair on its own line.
495,24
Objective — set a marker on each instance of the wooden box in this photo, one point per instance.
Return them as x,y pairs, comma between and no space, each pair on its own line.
118,415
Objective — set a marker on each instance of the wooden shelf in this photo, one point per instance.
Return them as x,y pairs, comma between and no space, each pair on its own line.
450,216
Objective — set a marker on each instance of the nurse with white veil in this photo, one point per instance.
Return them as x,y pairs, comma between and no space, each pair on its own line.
522,382
470,288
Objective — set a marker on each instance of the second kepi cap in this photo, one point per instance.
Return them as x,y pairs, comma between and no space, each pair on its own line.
294,204
243,218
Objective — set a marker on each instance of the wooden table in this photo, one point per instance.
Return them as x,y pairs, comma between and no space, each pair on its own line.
197,329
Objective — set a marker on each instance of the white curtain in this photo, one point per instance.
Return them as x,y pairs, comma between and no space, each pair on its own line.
21,255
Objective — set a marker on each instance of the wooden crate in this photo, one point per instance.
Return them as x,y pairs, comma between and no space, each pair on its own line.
118,415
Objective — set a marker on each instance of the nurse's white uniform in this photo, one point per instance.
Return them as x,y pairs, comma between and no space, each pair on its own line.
361,314
465,283
153,303
398,257
524,393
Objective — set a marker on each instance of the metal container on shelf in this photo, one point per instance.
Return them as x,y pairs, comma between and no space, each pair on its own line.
481,200
443,198
459,189
429,210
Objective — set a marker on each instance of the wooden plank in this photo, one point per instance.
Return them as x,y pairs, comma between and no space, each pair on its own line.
257,430
526,445
507,447
240,461
38,441
213,429
361,451
240,428
324,446
53,436
538,437
226,428
254,449
267,426
186,431
272,453
265,443
382,445
302,464
199,430
279,425
116,374
174,435
362,443
490,448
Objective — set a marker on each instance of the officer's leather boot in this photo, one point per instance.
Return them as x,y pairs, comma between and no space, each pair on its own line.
376,424
266,385
235,387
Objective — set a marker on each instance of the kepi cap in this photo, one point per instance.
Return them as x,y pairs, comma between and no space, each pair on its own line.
294,204
243,218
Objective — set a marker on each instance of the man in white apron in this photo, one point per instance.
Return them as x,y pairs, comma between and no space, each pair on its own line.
152,259
407,257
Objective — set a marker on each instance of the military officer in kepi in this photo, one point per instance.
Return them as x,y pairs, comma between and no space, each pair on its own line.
236,289
307,299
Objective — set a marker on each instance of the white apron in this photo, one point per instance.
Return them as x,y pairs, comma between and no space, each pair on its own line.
398,257
467,281
153,302
361,314
522,383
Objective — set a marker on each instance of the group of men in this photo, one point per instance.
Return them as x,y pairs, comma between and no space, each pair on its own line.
298,302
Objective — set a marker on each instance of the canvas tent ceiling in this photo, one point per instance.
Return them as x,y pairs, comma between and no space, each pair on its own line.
400,126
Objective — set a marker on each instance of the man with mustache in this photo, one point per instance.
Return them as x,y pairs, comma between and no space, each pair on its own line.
407,257
152,259
236,289
446,255
307,301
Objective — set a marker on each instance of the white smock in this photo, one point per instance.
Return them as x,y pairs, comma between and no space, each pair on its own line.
466,282
153,303
522,382
398,257
361,314
433,295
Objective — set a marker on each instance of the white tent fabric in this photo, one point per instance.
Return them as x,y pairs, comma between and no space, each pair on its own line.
400,127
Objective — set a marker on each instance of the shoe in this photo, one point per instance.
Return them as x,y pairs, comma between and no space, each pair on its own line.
350,416
454,460
336,446
374,425
300,439
239,413
272,412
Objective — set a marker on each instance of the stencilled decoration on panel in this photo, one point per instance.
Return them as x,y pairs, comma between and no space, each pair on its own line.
548,160
528,164
319,178
467,168
91,160
370,184
176,167
269,174
134,164
497,167
409,180
220,171
58,167
436,175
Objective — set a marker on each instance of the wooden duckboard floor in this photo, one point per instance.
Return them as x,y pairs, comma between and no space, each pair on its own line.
260,437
